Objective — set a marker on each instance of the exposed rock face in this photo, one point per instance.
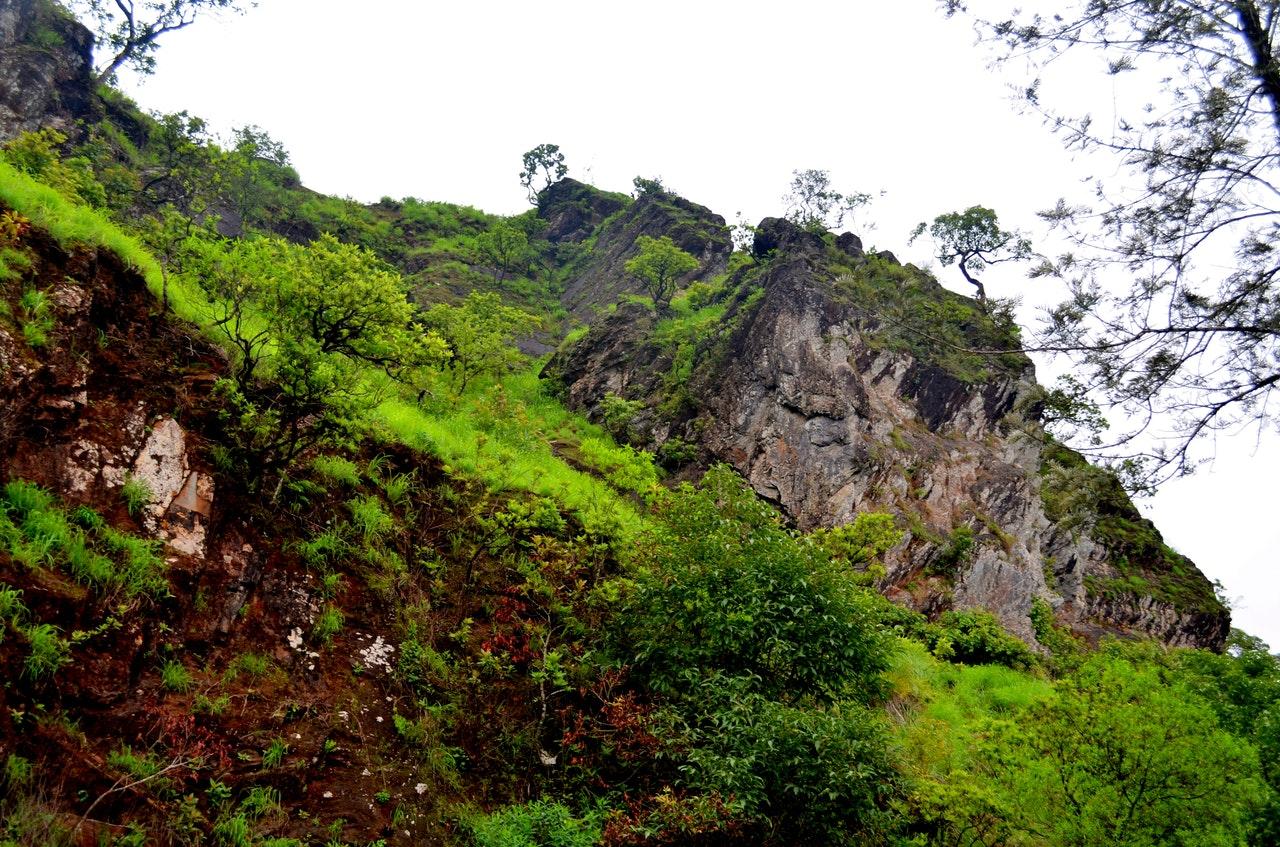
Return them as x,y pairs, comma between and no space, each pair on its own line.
801,397
94,406
46,68
575,211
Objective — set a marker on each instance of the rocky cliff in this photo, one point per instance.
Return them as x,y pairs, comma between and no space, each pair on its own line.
45,68
597,231
837,382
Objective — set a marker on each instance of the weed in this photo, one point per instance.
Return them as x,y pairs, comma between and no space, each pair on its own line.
260,802
370,518
328,624
337,469
398,488
38,323
234,831
11,607
205,705
252,665
17,771
136,493
273,756
48,651
175,677
136,765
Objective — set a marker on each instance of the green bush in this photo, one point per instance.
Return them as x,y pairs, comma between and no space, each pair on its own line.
975,637
817,775
730,590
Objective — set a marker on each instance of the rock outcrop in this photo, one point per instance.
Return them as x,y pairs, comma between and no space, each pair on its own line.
808,389
576,213
46,67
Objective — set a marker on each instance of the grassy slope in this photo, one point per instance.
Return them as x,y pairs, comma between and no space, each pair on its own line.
503,458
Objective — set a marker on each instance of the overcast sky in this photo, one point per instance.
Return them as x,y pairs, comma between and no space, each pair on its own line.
720,99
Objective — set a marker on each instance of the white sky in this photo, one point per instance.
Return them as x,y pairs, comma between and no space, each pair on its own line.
722,100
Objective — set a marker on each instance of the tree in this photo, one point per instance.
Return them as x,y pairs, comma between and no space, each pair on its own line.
659,265
973,240
545,161
506,246
481,335
1172,311
813,204
304,322
646,185
131,28
1122,757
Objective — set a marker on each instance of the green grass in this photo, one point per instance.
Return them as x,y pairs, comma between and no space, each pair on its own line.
175,677
328,624
252,665
49,651
337,469
508,445
136,493
943,705
273,756
136,765
508,453
38,533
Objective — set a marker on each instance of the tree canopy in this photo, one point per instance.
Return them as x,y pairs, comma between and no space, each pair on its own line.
973,240
130,29
815,205
543,164
659,265
1172,311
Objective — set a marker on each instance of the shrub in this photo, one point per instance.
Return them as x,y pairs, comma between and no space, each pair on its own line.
729,589
975,637
817,774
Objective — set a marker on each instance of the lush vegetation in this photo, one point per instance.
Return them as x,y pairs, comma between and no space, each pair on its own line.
510,632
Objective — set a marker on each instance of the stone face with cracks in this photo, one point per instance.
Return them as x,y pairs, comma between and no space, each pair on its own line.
825,423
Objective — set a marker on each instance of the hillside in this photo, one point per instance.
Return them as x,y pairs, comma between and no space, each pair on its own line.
324,523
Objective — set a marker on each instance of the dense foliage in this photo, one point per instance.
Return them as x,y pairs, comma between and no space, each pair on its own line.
581,655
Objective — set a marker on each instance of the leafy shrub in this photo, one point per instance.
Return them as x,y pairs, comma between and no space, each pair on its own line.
616,414
975,637
956,552
817,774
1083,767
730,590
